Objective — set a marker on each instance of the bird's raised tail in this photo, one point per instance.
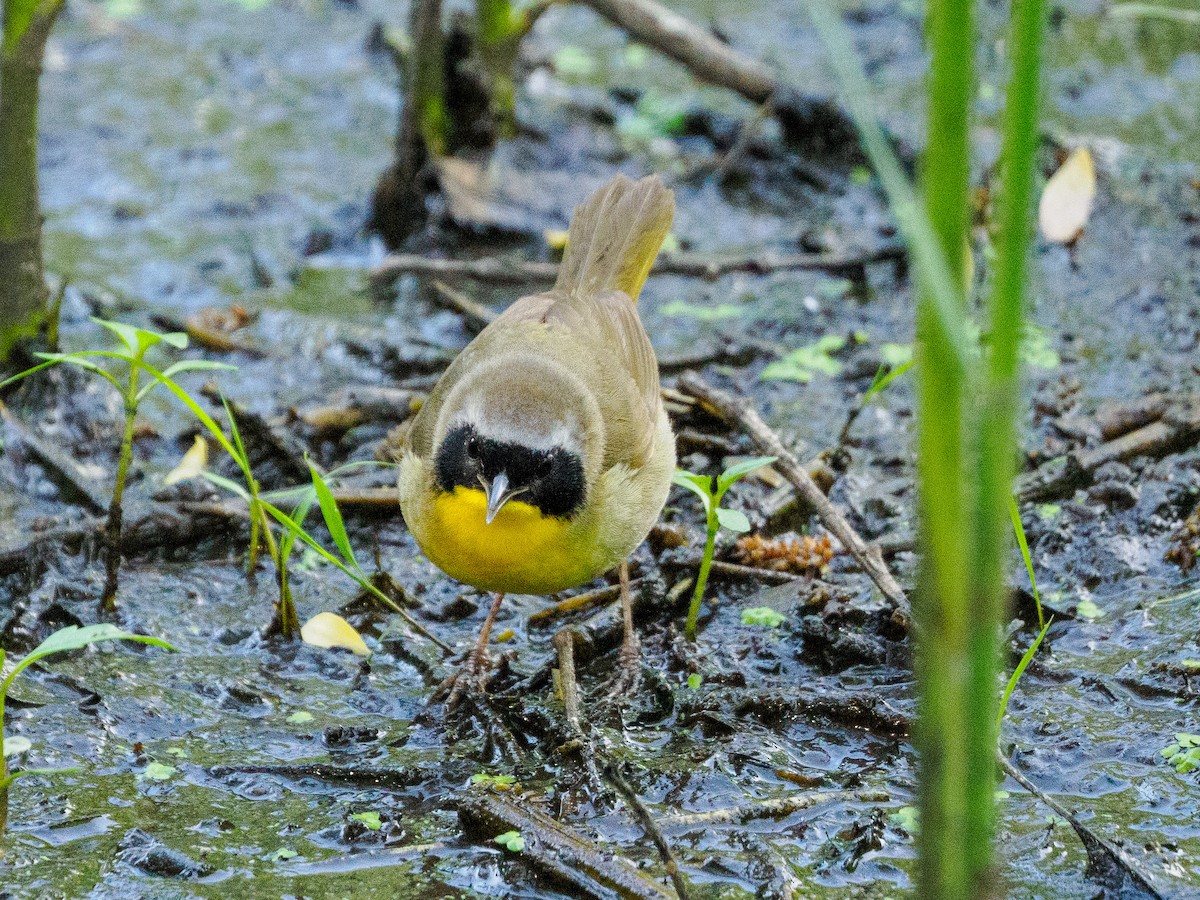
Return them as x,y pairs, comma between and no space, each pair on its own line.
615,236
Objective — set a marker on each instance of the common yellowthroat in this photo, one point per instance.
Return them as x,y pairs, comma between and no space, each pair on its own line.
543,456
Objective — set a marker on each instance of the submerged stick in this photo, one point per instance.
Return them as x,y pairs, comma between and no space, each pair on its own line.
61,467
742,414
557,850
1108,865
651,828
775,808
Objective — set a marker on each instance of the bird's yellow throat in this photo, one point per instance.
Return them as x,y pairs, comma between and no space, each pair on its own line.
521,551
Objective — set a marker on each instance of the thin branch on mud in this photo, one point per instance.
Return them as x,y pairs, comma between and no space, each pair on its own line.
814,121
568,683
555,849
60,467
1173,425
476,314
738,571
1108,865
858,709
775,808
650,827
354,776
693,265
742,414
600,596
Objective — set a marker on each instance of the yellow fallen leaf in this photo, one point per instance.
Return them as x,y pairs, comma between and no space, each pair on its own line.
192,464
1067,198
331,630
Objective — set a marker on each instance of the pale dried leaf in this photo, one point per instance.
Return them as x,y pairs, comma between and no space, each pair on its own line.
192,464
331,630
1067,198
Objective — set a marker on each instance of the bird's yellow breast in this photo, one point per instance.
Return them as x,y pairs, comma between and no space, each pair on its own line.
521,551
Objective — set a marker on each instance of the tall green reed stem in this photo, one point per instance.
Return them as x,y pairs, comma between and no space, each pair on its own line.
953,823
966,436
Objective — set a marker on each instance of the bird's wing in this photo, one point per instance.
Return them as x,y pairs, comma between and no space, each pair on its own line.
623,368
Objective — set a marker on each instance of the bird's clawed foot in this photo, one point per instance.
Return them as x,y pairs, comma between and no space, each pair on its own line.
469,681
628,675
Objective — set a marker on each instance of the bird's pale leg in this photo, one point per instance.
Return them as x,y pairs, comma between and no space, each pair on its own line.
472,675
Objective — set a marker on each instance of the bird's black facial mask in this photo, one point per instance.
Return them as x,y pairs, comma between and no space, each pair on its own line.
552,480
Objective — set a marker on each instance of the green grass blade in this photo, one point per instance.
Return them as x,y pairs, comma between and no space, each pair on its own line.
1019,671
242,457
333,518
1019,530
74,637
915,224
365,583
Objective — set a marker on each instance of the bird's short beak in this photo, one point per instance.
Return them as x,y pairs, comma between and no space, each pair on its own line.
498,494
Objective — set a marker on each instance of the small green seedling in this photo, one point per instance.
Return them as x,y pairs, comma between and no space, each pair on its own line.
804,362
495,782
1043,625
511,841
156,771
717,518
370,819
70,638
763,617
1184,753
138,342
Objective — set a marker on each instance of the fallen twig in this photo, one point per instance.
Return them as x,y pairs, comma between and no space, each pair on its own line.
775,808
651,828
736,570
477,315
556,849
1173,426
543,618
694,265
860,709
740,413
61,467
357,776
805,119
1108,865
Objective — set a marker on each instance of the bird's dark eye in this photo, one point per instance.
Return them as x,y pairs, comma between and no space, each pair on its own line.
473,447
544,467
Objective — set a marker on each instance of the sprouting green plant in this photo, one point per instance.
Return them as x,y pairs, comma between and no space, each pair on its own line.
804,362
496,782
1184,753
511,841
156,771
129,384
717,518
133,391
1043,623
73,637
370,818
763,617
